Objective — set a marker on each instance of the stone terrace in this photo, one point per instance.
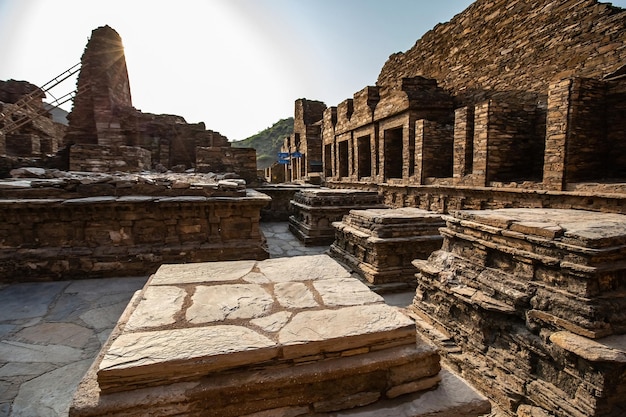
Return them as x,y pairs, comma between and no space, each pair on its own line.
301,332
528,304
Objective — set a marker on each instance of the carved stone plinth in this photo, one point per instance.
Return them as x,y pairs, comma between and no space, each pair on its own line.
285,336
314,212
529,304
382,243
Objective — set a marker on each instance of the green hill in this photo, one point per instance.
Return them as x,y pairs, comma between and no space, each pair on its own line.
267,142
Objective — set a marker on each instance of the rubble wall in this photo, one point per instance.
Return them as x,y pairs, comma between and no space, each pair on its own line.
228,159
48,239
510,46
98,158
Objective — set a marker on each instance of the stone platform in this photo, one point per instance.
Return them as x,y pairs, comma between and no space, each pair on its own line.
46,239
314,212
283,337
528,304
382,243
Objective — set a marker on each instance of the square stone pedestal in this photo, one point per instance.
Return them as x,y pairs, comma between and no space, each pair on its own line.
382,243
314,212
281,337
529,304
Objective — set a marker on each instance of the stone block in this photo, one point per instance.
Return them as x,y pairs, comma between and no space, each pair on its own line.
314,211
381,244
552,278
294,348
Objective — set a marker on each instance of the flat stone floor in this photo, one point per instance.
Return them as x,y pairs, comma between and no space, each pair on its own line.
51,332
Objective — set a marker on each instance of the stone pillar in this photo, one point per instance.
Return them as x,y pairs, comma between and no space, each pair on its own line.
463,143
433,150
481,139
556,135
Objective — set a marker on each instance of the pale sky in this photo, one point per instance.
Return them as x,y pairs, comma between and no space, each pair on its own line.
237,65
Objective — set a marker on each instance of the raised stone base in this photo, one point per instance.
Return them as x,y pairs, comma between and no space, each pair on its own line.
281,337
314,212
529,303
104,236
380,244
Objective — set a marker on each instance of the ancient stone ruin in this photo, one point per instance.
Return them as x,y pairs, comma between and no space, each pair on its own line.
486,169
315,211
381,244
528,305
107,133
508,105
301,153
71,225
27,128
309,340
58,224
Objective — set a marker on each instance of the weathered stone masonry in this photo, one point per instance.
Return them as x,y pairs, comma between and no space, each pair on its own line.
521,105
306,141
506,95
528,305
47,239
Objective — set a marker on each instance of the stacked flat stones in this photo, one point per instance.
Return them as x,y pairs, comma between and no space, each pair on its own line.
529,304
285,336
314,212
382,243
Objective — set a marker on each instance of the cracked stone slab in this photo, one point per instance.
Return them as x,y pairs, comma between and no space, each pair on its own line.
302,268
29,300
588,229
12,351
221,302
255,325
150,357
312,332
272,323
157,308
67,334
201,272
50,394
294,295
345,292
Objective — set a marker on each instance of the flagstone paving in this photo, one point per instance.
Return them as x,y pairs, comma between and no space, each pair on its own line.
50,332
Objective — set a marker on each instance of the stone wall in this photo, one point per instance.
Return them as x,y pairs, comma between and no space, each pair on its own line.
373,135
228,159
447,198
23,144
304,146
279,208
434,145
274,174
99,158
46,239
502,46
528,110
527,304
515,142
